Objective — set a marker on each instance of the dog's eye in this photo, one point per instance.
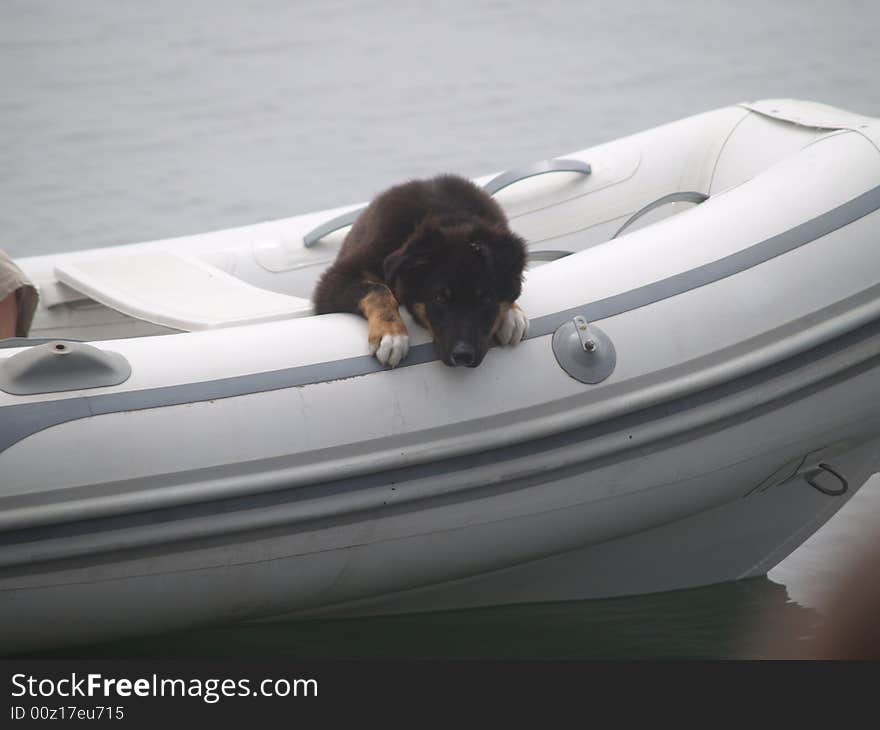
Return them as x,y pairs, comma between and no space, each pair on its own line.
441,297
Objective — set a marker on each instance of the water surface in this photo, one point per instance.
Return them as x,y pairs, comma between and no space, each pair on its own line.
123,122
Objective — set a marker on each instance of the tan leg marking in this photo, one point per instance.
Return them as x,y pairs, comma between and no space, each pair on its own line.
380,309
387,336
421,315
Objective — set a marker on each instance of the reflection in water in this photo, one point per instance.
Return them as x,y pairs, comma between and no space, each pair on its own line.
702,623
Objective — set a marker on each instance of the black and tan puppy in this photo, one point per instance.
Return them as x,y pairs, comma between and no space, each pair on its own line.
442,248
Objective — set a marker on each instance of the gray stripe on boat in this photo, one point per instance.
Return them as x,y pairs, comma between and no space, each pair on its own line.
19,421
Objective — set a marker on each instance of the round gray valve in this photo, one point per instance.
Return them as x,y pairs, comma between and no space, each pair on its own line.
584,351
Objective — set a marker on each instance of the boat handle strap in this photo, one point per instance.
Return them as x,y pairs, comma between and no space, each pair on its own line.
548,255
499,182
325,229
683,196
504,179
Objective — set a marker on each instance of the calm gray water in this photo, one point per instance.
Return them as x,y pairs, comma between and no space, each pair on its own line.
123,122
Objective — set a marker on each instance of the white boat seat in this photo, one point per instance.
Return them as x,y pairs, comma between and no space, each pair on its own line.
177,291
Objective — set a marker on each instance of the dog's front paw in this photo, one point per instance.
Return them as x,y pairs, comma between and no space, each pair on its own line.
390,349
514,326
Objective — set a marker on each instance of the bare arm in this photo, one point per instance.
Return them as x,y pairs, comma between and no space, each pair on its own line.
8,316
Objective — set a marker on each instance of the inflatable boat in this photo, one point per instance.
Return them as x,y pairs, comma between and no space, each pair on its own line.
183,443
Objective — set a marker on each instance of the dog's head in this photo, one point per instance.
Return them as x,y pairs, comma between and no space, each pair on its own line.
457,280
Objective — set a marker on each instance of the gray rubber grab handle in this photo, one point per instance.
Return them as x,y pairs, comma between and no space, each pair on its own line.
684,196
499,182
502,180
325,229
548,255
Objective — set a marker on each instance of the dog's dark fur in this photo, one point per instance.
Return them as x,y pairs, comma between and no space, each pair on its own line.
443,248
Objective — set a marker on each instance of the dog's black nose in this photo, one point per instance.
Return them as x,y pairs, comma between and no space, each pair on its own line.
463,354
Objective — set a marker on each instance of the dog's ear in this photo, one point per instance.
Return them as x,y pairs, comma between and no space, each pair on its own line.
508,253
400,264
392,264
414,256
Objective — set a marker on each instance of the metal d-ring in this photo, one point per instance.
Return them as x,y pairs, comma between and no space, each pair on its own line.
830,492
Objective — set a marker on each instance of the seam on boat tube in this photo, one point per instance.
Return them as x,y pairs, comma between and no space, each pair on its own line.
748,113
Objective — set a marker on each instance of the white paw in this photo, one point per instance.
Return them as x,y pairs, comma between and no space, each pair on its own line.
391,349
514,327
